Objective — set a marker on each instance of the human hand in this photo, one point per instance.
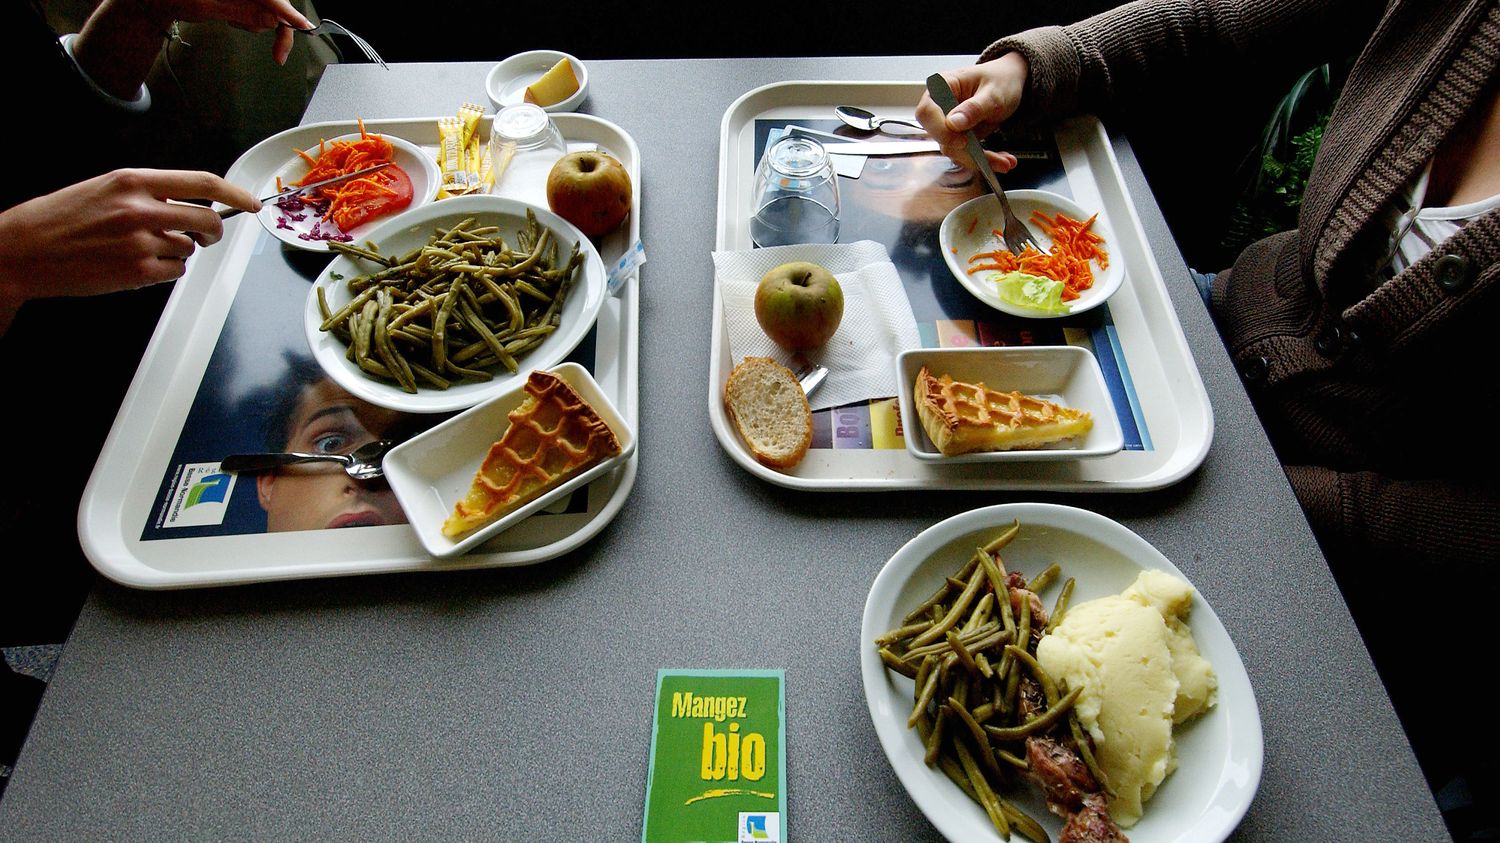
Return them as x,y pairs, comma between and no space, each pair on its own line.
987,94
121,230
249,15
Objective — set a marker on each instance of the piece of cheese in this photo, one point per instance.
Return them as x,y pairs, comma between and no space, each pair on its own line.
556,85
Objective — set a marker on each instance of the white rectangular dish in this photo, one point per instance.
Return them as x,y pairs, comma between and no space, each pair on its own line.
129,520
432,471
1158,394
1065,374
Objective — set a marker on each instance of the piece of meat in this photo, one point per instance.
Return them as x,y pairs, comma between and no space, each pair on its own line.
1061,774
1071,792
1016,585
1092,824
1031,700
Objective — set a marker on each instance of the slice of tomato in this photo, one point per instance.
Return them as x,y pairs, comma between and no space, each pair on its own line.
354,208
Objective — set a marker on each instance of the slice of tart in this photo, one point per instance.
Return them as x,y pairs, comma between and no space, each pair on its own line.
553,436
962,418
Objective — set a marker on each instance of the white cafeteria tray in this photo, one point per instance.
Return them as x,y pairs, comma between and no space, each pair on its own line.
120,495
1173,402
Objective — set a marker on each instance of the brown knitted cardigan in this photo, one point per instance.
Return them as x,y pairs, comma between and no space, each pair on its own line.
1379,397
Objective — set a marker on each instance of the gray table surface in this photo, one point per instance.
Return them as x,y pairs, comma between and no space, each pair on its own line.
516,703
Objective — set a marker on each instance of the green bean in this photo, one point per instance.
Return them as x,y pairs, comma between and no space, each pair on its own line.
383,348
1004,538
1045,578
981,741
982,638
1023,638
895,663
924,670
1020,821
940,594
1039,723
959,607
981,611
902,632
991,571
961,652
987,798
343,313
953,771
935,740
1012,759
924,697
1061,606
985,668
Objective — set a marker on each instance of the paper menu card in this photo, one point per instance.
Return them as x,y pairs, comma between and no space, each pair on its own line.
718,764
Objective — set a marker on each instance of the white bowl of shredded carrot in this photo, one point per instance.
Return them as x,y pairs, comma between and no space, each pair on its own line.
350,209
1073,272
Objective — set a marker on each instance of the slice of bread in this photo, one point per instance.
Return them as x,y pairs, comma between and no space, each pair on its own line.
769,408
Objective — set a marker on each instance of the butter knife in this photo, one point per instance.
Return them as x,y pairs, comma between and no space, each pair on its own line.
293,191
897,147
1017,235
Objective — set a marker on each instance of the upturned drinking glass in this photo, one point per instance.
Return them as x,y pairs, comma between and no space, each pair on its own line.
796,195
524,144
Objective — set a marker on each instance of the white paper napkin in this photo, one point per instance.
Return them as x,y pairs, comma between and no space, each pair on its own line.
877,324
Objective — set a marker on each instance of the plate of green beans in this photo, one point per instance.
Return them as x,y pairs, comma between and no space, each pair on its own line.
447,305
960,752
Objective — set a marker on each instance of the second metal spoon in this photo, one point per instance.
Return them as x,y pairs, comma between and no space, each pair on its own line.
364,463
858,118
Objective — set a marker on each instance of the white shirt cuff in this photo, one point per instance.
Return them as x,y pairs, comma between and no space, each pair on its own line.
142,99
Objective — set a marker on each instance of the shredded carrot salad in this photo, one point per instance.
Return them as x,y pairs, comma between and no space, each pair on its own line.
1073,246
354,201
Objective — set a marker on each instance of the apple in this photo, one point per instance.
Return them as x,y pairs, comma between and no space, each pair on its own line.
799,305
590,190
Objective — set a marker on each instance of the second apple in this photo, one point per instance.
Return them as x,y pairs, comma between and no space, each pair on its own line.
799,305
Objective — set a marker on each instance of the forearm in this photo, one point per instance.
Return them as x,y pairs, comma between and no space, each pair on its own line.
118,45
1137,49
1420,523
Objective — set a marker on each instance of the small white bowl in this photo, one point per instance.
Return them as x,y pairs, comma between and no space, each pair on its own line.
1066,374
969,229
412,229
419,166
507,81
431,471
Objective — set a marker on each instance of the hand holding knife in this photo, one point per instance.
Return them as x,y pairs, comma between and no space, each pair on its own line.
299,189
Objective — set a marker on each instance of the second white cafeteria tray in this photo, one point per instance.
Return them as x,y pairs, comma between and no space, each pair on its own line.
121,492
1173,401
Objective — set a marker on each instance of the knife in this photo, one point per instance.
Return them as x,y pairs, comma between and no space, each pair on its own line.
1017,235
881,147
293,191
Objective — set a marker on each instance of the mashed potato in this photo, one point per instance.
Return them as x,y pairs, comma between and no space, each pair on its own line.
1141,674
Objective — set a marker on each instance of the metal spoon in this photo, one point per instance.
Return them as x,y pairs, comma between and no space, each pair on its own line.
361,464
866,121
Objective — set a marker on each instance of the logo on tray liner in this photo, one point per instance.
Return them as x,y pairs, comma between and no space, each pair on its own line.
759,827
200,496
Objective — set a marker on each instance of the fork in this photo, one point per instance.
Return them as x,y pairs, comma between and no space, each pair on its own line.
333,27
1017,236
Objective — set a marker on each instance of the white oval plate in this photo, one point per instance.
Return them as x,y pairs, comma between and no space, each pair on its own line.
969,229
411,229
1219,754
506,82
419,166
